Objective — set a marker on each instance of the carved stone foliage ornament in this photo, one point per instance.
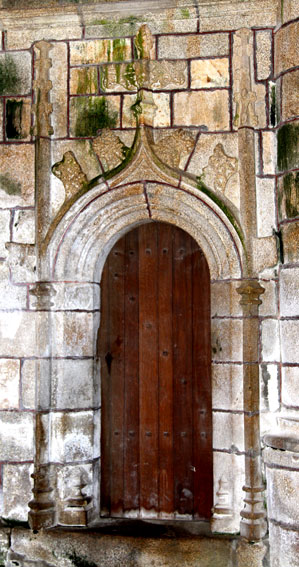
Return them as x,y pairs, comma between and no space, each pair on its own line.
172,148
109,149
69,171
220,168
42,108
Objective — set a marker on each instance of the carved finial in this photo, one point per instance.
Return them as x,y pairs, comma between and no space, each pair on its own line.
69,171
250,290
42,108
109,148
145,43
220,168
171,148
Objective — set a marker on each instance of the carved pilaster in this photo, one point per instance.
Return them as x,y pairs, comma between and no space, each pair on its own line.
42,108
253,524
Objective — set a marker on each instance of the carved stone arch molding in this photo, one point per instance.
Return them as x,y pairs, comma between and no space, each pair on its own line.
72,256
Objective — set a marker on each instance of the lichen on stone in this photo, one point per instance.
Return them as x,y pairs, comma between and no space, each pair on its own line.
9,78
10,186
288,147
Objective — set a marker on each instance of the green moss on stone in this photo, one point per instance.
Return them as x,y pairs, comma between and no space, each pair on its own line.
10,186
93,114
9,78
136,107
288,147
87,80
119,49
291,192
185,13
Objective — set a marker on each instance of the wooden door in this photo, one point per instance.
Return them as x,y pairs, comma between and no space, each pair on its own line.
154,345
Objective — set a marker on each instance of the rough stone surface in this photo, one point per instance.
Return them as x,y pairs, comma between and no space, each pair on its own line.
264,253
191,46
290,386
209,73
226,340
17,332
22,262
11,296
74,333
225,301
229,17
263,54
228,431
289,331
250,554
99,51
269,153
22,62
73,384
17,491
290,103
59,77
72,436
23,230
28,383
290,235
16,442
269,387
289,292
162,114
16,175
290,10
4,232
266,209
23,35
270,340
78,104
205,109
83,80
9,383
283,546
227,386
286,47
288,196
269,299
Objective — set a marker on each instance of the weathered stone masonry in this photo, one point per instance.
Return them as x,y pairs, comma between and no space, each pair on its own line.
111,115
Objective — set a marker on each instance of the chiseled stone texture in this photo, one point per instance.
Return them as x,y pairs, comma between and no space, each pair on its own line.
9,383
58,75
17,491
208,110
17,333
16,175
209,73
16,441
263,54
23,228
114,550
289,292
270,340
190,46
290,385
72,436
290,99
286,47
100,51
289,331
265,204
227,386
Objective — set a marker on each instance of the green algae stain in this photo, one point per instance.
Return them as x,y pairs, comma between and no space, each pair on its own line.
10,186
9,78
119,47
87,81
185,13
93,114
288,147
291,193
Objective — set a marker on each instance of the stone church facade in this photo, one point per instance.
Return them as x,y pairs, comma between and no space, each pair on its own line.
115,115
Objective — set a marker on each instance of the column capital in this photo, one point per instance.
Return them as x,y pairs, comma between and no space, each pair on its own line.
250,291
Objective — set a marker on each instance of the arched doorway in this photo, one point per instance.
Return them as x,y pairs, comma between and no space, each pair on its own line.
154,345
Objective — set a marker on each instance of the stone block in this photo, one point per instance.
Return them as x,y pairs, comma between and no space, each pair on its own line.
18,119
9,383
17,175
209,73
59,77
288,196
22,262
283,487
17,334
72,436
28,372
226,340
230,468
269,387
283,546
227,386
289,292
225,301
22,36
206,110
89,114
190,46
270,340
20,65
17,491
4,543
264,253
290,10
263,54
269,299
16,441
11,296
74,333
72,384
84,80
228,431
266,207
286,47
269,153
4,232
100,51
290,102
228,16
290,386
289,331
23,228
162,115
290,237
69,296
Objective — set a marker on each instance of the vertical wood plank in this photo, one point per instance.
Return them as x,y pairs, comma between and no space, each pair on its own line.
166,484
131,410
116,293
148,368
103,349
182,368
202,403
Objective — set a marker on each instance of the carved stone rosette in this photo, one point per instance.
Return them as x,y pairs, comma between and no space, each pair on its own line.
253,524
